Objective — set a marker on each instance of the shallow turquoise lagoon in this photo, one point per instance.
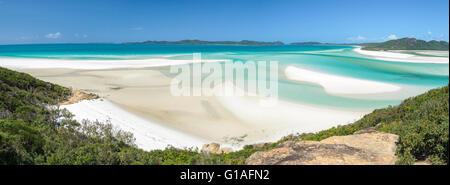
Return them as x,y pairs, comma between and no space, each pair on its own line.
414,78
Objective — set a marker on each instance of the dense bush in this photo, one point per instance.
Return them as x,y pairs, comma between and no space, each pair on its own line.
421,123
33,133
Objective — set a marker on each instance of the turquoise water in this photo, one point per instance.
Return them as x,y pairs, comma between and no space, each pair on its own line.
339,60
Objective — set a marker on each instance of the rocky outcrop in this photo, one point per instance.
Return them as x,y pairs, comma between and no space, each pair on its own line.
363,148
78,96
214,148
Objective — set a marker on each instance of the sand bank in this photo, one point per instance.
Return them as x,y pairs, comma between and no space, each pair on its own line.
149,135
33,63
145,95
137,98
335,84
284,117
402,57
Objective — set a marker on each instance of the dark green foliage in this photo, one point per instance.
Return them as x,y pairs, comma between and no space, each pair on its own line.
23,97
26,90
421,122
19,142
407,44
86,143
33,133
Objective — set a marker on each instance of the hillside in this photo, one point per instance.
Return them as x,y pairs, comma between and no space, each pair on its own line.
32,132
422,123
200,42
407,44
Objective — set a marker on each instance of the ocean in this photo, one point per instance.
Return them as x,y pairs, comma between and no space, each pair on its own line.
413,78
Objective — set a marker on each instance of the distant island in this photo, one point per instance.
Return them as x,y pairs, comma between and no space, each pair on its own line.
201,42
306,43
399,44
407,44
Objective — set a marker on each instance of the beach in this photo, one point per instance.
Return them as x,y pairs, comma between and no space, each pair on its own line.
143,97
149,135
135,96
338,84
440,57
146,93
37,63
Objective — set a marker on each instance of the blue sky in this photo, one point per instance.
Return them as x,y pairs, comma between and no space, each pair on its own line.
339,21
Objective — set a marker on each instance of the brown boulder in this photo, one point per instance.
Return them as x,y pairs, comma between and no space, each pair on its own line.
214,148
371,147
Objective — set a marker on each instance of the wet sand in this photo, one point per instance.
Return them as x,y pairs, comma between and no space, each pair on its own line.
231,121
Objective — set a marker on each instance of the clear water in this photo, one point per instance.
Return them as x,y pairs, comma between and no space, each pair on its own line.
339,60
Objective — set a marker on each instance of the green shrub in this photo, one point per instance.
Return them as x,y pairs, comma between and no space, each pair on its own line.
31,134
421,123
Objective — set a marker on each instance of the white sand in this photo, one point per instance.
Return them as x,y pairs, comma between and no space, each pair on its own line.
432,52
285,118
149,135
401,57
146,94
157,119
335,84
33,63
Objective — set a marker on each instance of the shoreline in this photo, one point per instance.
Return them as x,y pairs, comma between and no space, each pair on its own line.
38,63
138,90
283,117
400,57
335,84
149,135
144,93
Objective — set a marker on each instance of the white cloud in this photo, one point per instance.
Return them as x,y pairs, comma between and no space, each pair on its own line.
392,37
358,38
429,33
53,35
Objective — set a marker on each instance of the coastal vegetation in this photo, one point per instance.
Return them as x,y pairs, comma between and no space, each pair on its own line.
34,131
407,44
421,123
